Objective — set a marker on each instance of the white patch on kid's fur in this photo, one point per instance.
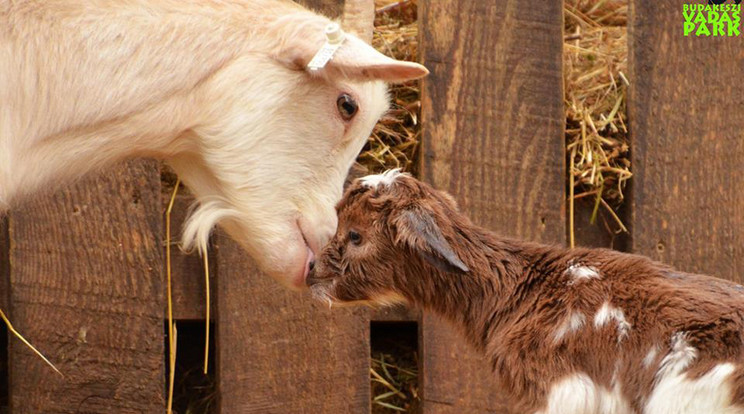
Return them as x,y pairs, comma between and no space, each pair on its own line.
678,359
676,393
385,179
608,313
573,322
650,356
578,394
578,272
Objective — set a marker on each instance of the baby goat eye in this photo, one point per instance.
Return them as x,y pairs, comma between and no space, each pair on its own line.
355,237
347,106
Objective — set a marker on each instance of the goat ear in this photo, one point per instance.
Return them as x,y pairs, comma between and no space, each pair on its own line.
354,60
418,229
358,60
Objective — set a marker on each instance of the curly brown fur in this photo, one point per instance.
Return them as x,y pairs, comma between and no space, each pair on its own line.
542,315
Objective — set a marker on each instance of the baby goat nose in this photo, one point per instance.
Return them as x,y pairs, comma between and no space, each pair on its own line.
311,265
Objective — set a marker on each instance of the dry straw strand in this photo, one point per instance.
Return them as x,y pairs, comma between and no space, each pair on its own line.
25,342
206,329
171,324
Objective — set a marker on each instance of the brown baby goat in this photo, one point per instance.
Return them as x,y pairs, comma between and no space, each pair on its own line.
582,331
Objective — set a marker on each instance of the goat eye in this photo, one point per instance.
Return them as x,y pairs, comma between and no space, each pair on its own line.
355,237
347,107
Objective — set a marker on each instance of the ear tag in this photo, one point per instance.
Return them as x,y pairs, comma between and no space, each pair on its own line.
334,39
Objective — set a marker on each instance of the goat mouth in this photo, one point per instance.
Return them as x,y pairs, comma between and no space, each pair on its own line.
300,281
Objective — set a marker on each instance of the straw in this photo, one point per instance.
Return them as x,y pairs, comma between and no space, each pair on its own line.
25,342
171,324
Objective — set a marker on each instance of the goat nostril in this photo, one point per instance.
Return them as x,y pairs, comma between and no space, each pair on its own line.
311,265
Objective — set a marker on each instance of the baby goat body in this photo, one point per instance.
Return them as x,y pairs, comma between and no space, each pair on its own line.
578,331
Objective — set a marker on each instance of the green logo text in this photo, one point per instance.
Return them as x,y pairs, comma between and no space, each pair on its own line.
711,20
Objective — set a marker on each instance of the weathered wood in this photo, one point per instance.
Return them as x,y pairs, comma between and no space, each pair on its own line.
189,292
282,352
4,282
686,123
86,289
279,351
395,314
4,263
493,137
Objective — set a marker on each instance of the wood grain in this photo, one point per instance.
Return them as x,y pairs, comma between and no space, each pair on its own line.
86,289
189,294
281,351
4,283
493,137
4,263
686,123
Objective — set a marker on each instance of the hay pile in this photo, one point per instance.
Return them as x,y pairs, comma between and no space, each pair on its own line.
394,142
595,57
595,63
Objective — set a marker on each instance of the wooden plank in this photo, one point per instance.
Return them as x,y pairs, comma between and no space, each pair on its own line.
282,352
4,263
685,106
279,351
189,298
86,289
4,282
493,137
395,314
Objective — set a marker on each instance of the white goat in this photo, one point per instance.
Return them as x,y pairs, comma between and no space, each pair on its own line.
218,89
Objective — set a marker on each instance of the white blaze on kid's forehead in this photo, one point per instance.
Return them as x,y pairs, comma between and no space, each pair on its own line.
385,179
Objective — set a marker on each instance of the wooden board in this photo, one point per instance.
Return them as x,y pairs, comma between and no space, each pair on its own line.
686,119
493,137
189,294
86,289
282,352
4,263
279,351
4,282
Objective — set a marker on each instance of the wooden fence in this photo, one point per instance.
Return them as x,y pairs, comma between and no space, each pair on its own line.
82,270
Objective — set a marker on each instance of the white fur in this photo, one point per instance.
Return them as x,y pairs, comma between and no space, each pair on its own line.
385,179
218,91
607,314
650,356
678,359
676,393
578,394
573,322
579,272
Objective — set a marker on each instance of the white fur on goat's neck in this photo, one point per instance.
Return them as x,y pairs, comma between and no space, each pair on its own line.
385,179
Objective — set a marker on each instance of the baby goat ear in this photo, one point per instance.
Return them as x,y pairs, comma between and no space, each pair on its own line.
418,229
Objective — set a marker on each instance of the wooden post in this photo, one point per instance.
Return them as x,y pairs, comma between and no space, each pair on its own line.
493,137
280,351
86,289
189,293
686,112
4,283
4,265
